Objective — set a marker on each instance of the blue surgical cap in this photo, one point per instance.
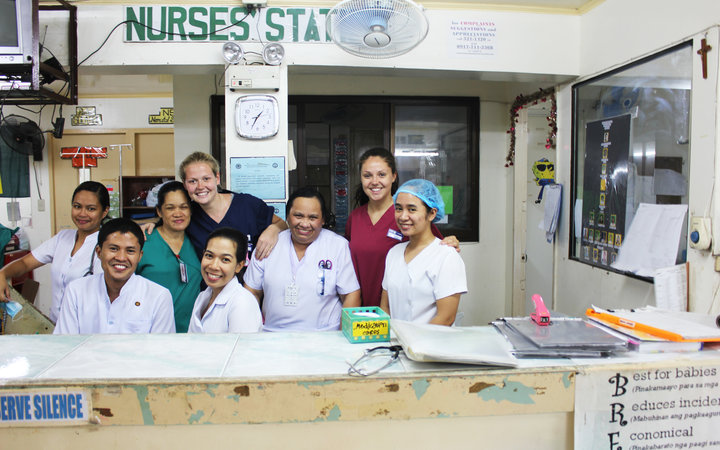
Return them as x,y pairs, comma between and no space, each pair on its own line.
425,191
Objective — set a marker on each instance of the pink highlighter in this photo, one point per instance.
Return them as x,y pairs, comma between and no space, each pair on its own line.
541,316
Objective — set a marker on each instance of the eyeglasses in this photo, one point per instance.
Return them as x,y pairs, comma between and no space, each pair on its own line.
542,167
374,360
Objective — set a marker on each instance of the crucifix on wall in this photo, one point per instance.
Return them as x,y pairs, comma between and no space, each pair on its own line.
704,49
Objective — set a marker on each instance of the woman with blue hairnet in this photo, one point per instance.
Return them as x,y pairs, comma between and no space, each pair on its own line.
423,280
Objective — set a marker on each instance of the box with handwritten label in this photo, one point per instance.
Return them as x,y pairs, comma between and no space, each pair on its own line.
365,324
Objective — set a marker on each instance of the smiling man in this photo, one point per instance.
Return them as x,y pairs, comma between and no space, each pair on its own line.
117,300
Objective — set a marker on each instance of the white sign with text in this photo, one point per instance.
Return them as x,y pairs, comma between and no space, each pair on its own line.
472,37
44,407
656,408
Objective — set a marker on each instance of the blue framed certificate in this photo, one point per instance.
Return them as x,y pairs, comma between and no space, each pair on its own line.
262,176
279,208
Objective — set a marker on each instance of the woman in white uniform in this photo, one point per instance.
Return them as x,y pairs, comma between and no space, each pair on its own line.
225,306
72,252
423,280
309,276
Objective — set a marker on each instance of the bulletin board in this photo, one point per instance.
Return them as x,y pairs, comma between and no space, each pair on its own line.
607,149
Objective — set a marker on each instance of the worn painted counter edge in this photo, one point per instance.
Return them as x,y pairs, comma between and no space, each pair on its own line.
319,399
308,399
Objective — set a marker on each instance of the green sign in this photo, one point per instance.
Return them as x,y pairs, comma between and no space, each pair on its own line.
446,192
207,23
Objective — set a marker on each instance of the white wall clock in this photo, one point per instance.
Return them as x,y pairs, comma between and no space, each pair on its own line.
257,116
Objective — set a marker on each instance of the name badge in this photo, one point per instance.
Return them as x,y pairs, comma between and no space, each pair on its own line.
291,295
394,234
183,272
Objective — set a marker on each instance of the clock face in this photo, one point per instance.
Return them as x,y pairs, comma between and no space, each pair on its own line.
256,116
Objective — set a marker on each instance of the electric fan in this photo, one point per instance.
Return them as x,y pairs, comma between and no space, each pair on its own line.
22,135
377,28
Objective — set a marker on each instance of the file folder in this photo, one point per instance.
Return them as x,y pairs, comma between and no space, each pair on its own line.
670,325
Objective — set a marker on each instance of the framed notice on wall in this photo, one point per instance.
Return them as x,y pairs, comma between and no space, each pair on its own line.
607,148
263,177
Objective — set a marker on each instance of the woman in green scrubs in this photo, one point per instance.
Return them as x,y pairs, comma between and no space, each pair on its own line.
169,258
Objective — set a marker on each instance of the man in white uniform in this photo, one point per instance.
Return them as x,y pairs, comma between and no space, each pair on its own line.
116,300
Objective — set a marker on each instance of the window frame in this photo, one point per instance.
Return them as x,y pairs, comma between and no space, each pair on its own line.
472,105
470,234
576,147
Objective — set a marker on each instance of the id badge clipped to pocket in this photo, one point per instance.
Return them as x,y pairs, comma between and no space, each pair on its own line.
291,295
183,272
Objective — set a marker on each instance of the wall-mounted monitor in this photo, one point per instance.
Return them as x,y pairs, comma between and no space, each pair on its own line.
16,31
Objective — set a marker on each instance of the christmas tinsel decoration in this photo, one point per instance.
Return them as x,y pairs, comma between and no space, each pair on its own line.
521,101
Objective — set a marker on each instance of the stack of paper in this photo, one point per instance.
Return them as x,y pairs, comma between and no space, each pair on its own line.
652,240
564,337
671,287
436,343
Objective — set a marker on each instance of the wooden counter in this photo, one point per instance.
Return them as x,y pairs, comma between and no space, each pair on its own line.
283,390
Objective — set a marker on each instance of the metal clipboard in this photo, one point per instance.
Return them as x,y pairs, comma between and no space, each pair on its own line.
567,333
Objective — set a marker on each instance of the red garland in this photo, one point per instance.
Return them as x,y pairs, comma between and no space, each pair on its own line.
521,101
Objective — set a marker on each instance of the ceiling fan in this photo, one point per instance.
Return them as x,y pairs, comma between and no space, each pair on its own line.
377,28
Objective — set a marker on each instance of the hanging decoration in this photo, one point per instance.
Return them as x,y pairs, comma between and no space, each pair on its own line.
521,101
544,172
83,157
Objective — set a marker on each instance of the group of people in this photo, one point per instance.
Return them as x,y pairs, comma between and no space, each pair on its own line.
112,276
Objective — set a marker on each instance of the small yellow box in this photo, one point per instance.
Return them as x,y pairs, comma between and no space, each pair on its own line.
365,324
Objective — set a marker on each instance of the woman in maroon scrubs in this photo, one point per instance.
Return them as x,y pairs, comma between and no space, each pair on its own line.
371,227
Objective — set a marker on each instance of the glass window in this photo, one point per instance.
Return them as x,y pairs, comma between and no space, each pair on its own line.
432,138
332,136
630,146
433,142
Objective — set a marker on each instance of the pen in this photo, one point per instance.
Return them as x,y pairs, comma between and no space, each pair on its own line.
323,283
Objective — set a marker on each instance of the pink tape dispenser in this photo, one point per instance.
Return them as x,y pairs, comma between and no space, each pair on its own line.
541,316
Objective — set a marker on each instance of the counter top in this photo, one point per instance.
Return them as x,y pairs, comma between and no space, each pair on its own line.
38,359
272,379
